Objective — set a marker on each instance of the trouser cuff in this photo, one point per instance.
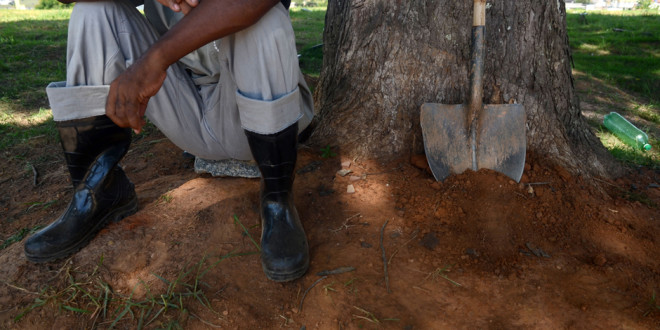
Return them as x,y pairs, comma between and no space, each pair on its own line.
76,102
269,117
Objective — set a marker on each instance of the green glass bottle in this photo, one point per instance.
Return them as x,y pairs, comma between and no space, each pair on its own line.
626,131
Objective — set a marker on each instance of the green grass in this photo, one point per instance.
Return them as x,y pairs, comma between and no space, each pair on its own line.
308,22
620,48
628,154
165,303
32,54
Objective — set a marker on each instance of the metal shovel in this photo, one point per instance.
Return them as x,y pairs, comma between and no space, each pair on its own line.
473,135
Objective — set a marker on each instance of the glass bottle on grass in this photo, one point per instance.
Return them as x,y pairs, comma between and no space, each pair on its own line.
626,131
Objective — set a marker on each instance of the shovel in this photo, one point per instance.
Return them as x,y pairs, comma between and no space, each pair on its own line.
472,136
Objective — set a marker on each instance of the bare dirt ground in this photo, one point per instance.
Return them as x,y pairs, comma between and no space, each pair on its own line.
476,251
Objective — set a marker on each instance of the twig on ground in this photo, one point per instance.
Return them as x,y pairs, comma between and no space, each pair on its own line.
537,183
35,174
605,182
336,271
404,244
382,247
523,196
421,289
345,225
306,291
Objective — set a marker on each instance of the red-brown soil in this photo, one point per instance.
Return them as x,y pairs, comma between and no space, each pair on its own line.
476,251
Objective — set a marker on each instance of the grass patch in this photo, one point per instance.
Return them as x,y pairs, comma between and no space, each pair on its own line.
17,127
630,155
18,236
308,22
33,44
621,48
87,295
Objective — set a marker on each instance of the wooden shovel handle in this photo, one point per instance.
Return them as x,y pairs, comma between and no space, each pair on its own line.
475,103
479,13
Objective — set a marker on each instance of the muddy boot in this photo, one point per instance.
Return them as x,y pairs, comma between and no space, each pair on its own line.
284,249
93,148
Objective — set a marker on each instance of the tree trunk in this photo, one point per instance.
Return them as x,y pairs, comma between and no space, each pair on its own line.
384,59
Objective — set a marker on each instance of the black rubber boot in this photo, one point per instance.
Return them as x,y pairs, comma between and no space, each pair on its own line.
284,248
93,148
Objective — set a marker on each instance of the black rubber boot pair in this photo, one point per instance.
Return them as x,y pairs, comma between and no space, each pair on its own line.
284,248
93,148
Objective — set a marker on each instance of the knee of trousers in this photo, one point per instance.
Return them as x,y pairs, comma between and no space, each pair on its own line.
98,10
264,57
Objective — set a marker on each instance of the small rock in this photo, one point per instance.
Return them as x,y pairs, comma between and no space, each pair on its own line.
346,164
350,189
600,260
436,185
530,190
354,178
343,172
420,162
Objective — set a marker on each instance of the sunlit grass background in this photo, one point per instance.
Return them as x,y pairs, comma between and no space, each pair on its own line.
621,50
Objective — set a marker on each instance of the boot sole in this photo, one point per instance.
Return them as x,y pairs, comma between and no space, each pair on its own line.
115,216
288,276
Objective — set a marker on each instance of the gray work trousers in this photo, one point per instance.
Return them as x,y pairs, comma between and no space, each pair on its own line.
260,87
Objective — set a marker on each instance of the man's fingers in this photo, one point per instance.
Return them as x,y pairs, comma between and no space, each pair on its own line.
186,8
133,115
111,108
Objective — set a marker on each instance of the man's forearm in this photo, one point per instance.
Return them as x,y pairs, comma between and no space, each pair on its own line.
210,20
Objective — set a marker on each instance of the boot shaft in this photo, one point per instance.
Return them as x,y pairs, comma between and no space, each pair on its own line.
84,139
276,155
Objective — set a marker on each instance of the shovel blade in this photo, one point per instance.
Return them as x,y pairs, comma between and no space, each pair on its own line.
446,140
500,142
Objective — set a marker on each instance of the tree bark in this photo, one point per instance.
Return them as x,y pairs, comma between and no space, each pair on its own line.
384,59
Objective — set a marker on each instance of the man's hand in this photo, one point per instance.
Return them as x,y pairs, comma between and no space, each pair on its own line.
130,93
184,6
